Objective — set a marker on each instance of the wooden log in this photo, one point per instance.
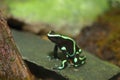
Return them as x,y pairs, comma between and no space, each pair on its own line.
12,67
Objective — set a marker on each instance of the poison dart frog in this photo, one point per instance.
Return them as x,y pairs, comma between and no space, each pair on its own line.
69,47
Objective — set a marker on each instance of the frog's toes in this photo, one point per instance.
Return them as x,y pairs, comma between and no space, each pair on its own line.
57,68
76,65
83,62
52,57
49,58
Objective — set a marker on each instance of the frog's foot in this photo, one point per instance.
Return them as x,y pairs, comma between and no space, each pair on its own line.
52,57
63,65
78,65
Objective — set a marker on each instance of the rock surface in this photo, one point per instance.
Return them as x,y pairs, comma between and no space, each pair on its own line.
36,50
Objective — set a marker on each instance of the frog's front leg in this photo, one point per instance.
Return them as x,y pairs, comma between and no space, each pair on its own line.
63,65
56,51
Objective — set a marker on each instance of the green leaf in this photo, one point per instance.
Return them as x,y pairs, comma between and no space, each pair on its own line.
36,50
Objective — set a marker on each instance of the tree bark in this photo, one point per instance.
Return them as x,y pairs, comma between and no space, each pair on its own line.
12,67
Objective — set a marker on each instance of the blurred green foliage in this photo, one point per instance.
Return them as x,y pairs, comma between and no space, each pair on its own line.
57,11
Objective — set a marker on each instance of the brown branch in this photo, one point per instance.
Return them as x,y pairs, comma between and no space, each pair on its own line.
12,67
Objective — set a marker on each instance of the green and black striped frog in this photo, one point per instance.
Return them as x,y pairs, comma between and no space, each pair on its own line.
68,47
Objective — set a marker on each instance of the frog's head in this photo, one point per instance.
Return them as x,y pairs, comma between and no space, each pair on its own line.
54,37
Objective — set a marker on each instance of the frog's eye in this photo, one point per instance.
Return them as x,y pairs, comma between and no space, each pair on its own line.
51,32
63,48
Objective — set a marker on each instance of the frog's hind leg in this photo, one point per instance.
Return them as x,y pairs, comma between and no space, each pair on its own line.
82,59
78,61
63,65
